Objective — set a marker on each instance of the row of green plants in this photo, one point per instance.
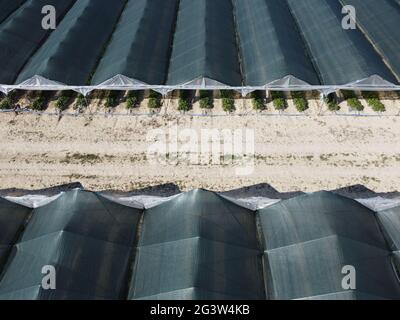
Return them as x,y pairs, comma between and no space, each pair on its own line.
186,99
371,97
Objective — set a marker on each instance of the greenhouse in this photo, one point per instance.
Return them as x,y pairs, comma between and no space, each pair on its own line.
87,239
198,245
242,45
338,232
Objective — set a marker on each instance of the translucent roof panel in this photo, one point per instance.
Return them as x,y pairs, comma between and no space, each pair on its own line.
270,45
12,221
198,245
7,7
140,46
340,56
72,51
87,239
21,35
381,25
310,239
205,44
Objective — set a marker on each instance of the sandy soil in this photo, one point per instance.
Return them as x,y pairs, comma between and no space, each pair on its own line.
311,152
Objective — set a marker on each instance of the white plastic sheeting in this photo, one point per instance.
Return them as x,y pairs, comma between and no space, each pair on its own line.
123,83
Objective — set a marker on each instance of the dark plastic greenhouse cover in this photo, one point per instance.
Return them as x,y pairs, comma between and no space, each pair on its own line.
270,45
243,45
87,238
198,246
22,34
340,56
12,220
309,239
381,25
204,44
140,45
73,49
7,7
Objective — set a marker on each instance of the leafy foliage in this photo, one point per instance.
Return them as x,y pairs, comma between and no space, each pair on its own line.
376,105
154,100
373,101
112,99
300,101
183,105
62,101
228,103
205,100
257,101
278,100
5,104
184,101
355,104
80,102
131,99
332,104
38,103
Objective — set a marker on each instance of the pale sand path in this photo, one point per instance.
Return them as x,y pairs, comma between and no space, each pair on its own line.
292,153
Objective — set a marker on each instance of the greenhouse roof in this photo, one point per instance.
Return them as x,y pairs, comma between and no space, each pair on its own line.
244,45
199,245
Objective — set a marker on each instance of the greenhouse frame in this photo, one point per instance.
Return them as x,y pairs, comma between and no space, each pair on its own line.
242,45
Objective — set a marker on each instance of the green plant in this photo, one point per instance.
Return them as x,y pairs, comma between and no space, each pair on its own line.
257,101
376,105
5,104
131,99
278,100
347,94
38,103
228,104
332,105
355,104
184,101
62,102
300,101
111,100
301,104
131,102
154,100
154,103
205,103
80,102
279,104
205,100
183,105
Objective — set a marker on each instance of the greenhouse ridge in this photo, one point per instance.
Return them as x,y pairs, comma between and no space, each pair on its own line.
244,45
